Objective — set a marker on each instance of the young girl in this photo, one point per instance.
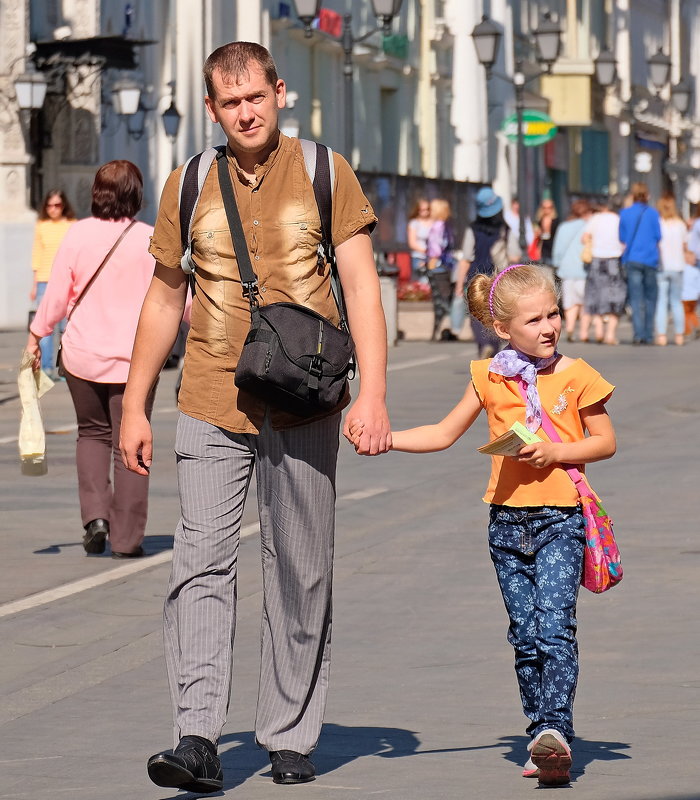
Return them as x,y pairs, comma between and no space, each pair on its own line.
536,529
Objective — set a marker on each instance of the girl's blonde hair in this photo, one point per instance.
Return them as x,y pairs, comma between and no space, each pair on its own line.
667,208
440,209
512,284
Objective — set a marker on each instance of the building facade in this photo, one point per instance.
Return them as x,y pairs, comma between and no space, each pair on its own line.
396,126
417,116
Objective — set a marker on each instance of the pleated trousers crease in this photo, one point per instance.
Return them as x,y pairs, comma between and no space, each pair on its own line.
295,478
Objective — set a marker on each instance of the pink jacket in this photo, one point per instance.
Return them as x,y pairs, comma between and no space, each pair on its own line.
99,337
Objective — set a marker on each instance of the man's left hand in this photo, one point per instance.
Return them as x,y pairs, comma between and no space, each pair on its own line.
376,434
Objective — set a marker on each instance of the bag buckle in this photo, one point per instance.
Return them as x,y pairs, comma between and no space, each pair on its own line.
250,290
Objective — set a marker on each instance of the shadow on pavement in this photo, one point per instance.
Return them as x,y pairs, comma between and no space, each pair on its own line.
151,544
241,758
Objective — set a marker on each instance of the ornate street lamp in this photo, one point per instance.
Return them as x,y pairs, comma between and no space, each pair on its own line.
680,96
548,41
171,121
384,11
605,68
307,11
30,89
487,37
126,96
659,69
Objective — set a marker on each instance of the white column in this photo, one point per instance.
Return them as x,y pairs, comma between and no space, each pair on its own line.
16,218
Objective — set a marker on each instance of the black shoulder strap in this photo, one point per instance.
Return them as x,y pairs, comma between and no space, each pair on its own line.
636,228
249,280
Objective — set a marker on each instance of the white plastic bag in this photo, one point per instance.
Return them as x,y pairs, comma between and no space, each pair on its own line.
32,441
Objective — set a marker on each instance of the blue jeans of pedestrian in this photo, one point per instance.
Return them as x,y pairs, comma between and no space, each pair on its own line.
538,556
643,291
670,286
48,344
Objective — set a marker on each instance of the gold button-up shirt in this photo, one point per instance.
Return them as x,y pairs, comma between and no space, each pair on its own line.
283,229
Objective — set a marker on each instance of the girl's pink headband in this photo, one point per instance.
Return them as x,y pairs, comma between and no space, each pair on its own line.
495,281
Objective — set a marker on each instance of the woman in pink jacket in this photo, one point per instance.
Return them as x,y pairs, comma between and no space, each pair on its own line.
96,350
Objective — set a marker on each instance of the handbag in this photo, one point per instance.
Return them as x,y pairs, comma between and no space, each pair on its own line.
534,249
293,358
59,363
602,564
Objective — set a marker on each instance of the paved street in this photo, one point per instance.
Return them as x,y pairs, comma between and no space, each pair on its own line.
423,702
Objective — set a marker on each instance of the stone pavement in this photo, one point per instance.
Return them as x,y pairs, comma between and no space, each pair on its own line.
423,701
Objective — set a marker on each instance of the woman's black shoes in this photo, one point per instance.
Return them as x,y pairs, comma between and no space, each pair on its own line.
96,533
138,553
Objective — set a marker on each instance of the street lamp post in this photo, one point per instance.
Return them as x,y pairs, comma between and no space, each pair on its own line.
487,36
384,11
30,90
659,66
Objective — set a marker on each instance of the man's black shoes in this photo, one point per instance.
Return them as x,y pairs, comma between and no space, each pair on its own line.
291,767
193,766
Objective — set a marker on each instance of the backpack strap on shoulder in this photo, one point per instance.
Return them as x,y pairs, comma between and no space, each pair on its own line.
192,178
319,165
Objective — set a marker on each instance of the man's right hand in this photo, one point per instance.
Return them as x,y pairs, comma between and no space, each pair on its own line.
136,443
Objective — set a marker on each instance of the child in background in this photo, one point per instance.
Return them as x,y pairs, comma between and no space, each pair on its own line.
536,527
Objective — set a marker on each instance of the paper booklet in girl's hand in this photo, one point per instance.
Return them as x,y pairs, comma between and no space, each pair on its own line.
511,442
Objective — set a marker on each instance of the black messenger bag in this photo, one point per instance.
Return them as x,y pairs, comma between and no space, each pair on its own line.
293,358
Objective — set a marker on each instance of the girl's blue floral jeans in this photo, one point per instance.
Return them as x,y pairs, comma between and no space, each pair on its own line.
538,556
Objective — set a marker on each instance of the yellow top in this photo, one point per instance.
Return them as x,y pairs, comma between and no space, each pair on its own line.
562,395
282,228
48,236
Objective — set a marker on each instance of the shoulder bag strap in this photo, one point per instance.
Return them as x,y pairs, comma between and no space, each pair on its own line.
547,426
249,280
99,269
636,228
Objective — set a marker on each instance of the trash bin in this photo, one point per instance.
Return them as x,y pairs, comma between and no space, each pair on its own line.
388,282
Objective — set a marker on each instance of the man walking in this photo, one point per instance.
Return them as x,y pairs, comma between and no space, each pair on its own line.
223,433
640,232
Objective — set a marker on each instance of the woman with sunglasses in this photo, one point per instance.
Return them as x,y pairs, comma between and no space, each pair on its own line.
55,217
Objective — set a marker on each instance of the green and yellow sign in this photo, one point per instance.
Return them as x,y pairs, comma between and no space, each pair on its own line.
538,128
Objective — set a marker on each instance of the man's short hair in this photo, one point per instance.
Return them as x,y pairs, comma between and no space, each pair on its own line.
233,61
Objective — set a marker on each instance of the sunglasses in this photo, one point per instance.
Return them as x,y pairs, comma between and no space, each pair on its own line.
54,205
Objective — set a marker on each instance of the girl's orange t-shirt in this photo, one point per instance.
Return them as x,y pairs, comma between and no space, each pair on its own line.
562,394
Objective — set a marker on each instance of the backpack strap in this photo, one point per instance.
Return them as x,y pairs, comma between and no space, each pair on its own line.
192,178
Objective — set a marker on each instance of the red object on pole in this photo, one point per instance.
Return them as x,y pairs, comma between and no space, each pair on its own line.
330,22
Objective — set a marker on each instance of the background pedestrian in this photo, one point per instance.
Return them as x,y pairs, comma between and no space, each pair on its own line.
567,259
690,293
669,278
55,218
441,262
640,232
605,292
546,223
512,218
489,244
417,234
96,350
